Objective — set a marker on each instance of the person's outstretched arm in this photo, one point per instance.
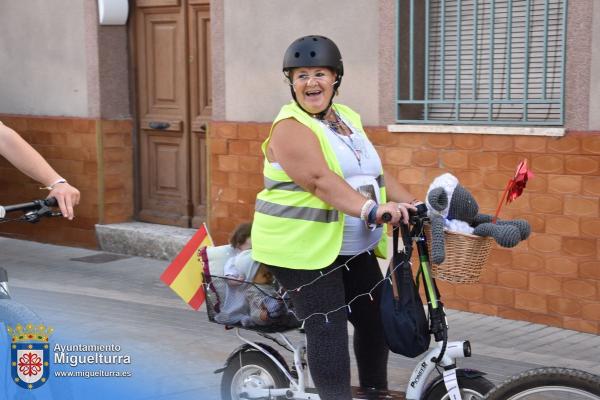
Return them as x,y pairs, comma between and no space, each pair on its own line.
299,153
27,160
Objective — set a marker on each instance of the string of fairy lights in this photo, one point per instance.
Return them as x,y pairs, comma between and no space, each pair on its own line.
285,294
347,306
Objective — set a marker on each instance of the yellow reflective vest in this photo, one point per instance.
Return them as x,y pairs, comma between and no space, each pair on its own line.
293,228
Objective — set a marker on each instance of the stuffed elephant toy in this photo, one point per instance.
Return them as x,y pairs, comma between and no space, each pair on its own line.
452,207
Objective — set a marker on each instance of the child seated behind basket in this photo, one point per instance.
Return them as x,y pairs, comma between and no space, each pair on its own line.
239,241
234,307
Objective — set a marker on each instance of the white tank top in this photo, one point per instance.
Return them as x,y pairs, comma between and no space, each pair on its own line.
362,177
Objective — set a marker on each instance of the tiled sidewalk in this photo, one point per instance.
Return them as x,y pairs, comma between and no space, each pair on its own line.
123,297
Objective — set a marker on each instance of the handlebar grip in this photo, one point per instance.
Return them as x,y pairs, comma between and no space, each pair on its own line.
51,202
421,211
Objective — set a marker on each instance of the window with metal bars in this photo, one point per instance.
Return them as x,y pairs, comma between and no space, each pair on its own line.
484,62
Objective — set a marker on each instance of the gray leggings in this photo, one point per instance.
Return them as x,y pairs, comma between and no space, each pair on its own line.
327,342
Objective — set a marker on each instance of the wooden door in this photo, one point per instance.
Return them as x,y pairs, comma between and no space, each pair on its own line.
200,102
172,42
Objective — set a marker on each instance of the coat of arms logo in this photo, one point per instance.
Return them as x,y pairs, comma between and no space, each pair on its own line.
30,354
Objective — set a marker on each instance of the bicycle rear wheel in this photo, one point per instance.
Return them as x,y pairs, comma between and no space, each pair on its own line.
549,384
252,370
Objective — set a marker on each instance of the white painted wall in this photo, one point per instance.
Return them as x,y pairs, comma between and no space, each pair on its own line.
43,58
257,33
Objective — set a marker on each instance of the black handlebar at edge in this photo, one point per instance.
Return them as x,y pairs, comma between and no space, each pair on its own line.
33,205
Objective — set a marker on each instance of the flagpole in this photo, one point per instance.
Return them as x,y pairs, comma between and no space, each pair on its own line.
501,201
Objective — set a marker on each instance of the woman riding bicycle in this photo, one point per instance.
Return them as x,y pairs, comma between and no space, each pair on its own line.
322,208
27,160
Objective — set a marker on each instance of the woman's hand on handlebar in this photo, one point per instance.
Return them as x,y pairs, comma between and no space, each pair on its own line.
399,212
67,197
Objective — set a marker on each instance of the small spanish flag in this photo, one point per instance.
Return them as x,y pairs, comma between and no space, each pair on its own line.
184,275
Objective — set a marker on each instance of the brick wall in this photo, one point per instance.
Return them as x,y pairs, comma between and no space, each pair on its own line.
93,155
235,174
553,278
117,171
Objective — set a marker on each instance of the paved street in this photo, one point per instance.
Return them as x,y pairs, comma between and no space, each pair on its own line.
92,297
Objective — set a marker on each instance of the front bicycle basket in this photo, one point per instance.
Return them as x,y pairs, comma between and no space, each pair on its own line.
466,256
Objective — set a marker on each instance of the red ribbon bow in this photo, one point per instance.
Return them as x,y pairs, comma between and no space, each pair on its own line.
517,184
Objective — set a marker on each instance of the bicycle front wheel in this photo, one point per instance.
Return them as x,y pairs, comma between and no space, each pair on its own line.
471,388
549,384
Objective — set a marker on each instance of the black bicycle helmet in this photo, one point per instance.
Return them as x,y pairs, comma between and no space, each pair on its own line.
314,51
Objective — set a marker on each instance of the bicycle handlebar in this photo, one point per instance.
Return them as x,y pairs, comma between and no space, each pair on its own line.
420,213
30,206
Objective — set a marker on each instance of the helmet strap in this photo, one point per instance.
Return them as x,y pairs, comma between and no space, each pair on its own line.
320,115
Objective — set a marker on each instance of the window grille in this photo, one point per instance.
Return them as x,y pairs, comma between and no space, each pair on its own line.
481,62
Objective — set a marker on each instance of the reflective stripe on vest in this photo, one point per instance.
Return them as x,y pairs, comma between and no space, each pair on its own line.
305,213
271,184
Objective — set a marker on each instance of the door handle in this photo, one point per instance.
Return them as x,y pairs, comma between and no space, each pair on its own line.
159,125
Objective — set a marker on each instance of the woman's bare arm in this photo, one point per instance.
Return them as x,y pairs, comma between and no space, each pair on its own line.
298,152
27,160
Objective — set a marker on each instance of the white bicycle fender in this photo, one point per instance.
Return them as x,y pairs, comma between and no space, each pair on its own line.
451,382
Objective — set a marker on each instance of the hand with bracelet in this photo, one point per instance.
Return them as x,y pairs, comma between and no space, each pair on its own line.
27,160
66,196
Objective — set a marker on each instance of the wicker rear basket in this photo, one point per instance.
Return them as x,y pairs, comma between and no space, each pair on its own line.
466,256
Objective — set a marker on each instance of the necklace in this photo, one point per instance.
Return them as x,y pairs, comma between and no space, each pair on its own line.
337,126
